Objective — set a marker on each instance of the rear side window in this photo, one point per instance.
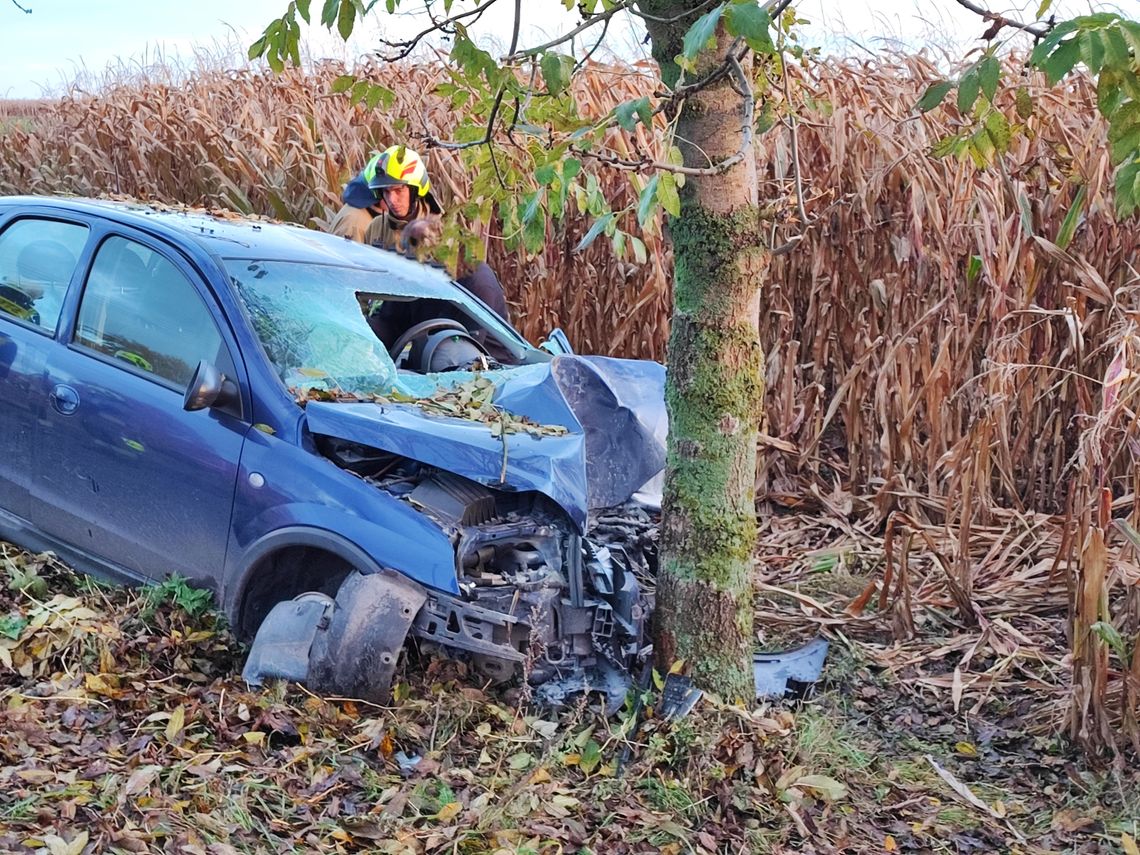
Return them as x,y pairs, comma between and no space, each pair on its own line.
37,258
139,309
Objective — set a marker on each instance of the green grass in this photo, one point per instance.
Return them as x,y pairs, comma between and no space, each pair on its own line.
827,743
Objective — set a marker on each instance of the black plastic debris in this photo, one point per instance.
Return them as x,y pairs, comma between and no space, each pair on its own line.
678,697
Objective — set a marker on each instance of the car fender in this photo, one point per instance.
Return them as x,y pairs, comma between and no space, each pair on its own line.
367,547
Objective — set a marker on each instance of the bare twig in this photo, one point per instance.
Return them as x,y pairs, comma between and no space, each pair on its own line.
26,11
600,18
405,47
580,64
675,18
999,21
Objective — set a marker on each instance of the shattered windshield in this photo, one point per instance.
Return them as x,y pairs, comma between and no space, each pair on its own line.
313,321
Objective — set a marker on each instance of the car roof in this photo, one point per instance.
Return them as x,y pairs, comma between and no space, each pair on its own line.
248,238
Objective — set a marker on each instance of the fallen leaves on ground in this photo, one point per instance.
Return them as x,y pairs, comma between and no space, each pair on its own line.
126,728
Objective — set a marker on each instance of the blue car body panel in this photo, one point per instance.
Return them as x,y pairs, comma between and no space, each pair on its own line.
23,355
304,490
552,465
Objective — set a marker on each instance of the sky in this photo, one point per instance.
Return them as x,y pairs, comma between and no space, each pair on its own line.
62,41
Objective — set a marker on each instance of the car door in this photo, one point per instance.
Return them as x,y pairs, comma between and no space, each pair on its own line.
38,257
122,470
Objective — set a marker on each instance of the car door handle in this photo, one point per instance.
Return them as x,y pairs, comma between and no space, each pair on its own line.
64,399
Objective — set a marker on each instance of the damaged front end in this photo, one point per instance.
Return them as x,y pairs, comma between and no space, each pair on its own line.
554,579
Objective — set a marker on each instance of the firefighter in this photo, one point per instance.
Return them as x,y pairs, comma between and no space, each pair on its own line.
390,204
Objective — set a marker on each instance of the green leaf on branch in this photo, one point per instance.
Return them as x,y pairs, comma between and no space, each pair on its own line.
1092,50
599,226
997,128
700,36
557,69
750,22
534,234
950,145
667,193
640,254
618,240
544,175
647,202
1127,189
377,94
342,83
968,87
1061,61
532,202
1047,44
346,19
1116,55
989,73
473,60
628,112
1124,132
934,95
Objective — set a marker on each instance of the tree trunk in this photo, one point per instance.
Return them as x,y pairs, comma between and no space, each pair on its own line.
714,387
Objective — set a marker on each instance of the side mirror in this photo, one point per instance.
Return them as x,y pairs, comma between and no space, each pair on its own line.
208,388
557,343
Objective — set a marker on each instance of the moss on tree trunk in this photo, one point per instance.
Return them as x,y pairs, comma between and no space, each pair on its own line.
714,385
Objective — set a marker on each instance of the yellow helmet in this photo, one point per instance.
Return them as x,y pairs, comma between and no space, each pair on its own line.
398,164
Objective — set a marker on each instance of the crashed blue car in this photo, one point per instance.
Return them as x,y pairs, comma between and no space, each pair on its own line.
346,447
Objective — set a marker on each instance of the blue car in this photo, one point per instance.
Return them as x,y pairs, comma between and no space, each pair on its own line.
343,445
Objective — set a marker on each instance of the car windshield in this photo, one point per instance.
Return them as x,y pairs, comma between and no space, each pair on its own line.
327,327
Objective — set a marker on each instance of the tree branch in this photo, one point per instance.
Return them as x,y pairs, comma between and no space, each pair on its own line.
432,142
405,47
999,21
21,8
646,163
515,31
645,16
580,64
582,27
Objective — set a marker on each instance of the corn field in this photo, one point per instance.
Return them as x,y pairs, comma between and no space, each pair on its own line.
950,351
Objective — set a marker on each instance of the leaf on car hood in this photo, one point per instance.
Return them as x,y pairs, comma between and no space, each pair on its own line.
471,400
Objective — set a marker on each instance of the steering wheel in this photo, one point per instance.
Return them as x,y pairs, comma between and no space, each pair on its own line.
422,329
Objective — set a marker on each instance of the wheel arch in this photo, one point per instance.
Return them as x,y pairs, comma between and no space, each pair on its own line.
286,562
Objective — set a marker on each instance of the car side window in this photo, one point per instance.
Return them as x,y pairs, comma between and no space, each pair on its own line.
140,309
37,259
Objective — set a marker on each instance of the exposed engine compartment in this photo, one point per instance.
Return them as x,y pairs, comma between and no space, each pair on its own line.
537,598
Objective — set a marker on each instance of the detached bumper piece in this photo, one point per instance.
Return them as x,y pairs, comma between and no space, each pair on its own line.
791,672
778,675
348,646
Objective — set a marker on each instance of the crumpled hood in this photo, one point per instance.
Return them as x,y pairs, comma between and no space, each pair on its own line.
613,411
